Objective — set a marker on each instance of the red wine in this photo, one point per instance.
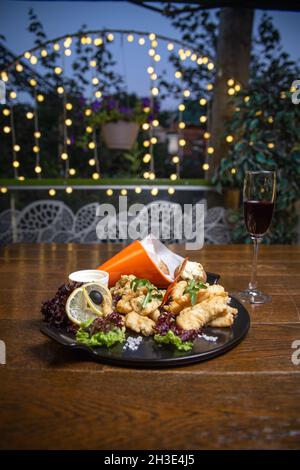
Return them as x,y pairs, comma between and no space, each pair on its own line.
258,216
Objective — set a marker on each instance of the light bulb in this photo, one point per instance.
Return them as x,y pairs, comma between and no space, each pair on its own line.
68,52
36,149
229,138
60,90
110,37
151,52
145,126
16,164
202,101
173,177
153,140
57,70
19,68
150,70
203,119
29,115
69,189
72,171
138,190
64,156
141,41
109,192
95,175
3,190
56,46
89,129
52,192
230,91
13,95
98,94
155,123
210,66
95,81
210,150
175,159
88,112
186,93
130,38
230,82
152,36
44,53
154,191
233,171
170,46
147,158
69,106
206,135
146,143
181,107
6,129
123,192
98,41
92,162
38,169
68,122
178,74
171,191
17,148
92,145
146,175
209,86
33,60
157,57
40,98
181,125
205,166
6,112
37,134
181,142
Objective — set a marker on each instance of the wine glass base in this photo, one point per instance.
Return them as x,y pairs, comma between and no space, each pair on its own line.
253,296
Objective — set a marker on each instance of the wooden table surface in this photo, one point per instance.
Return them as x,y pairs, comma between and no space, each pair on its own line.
54,398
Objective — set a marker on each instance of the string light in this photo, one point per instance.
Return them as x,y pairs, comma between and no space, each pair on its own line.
64,156
58,70
229,138
110,37
246,99
146,143
210,150
17,148
38,169
178,74
60,90
124,192
181,125
182,142
271,145
56,46
270,120
95,81
36,149
170,46
209,86
152,36
155,123
130,38
95,176
29,115
147,158
16,164
145,126
203,119
153,140
141,41
98,41
13,95
69,189
206,135
27,55
150,70
151,175
233,171
37,134
154,191
33,60
138,190
237,87
193,57
68,52
210,66
173,177
89,129
69,106
6,129
3,190
92,162
44,53
146,175
181,107
175,159
151,52
230,82
205,166
72,171
6,112
157,57
109,192
186,93
88,112
52,192
68,122
171,191
230,91
40,98
202,102
19,68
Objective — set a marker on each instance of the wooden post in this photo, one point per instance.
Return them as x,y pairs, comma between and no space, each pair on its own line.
233,59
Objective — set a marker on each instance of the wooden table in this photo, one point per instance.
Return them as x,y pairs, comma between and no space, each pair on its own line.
54,398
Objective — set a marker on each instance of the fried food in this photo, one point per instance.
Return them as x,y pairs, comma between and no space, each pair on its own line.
199,315
192,270
139,324
123,285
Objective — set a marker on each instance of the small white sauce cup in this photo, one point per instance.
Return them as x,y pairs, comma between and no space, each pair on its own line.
90,275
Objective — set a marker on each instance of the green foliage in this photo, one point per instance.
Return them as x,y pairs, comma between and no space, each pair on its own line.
266,130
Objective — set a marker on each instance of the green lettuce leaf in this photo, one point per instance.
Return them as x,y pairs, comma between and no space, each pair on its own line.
116,335
171,338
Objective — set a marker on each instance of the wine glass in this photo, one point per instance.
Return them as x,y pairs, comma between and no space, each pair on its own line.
258,197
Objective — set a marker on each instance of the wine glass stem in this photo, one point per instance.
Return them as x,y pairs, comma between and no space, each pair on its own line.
253,281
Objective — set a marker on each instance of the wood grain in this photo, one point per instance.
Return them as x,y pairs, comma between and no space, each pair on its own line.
54,398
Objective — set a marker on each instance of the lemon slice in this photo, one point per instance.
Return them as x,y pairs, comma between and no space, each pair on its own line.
98,298
77,309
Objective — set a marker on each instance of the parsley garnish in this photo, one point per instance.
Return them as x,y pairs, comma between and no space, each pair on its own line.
152,291
193,288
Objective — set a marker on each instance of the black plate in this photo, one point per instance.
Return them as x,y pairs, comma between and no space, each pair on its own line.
152,354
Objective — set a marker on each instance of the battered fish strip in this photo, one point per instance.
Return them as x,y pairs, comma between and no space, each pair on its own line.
199,315
139,324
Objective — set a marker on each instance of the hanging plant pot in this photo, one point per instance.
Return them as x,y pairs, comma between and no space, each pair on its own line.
120,135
